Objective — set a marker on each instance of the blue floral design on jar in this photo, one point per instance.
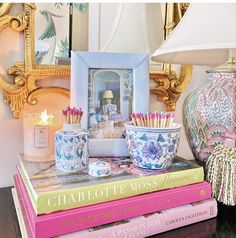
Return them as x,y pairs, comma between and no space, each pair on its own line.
138,159
152,150
174,141
170,148
71,150
133,145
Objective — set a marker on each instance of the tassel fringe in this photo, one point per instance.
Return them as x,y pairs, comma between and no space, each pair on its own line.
220,172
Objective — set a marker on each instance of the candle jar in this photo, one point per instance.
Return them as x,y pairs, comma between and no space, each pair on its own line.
39,129
71,148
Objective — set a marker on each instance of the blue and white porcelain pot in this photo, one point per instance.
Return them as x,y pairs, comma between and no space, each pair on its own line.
71,148
152,148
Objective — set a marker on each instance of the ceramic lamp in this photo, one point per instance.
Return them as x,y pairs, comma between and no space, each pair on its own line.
108,95
204,37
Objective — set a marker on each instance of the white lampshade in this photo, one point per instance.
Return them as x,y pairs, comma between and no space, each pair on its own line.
130,27
203,36
108,94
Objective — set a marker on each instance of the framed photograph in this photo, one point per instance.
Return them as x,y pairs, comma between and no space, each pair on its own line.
109,87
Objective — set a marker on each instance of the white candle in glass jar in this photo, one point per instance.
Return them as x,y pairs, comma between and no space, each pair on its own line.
39,130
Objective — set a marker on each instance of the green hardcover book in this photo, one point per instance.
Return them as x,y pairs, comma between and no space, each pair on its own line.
51,190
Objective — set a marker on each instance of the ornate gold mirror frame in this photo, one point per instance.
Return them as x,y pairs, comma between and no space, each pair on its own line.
170,85
24,88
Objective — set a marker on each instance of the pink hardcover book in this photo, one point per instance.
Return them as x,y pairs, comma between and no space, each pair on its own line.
63,222
154,223
141,226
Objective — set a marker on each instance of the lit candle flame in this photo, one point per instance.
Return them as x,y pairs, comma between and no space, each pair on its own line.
44,117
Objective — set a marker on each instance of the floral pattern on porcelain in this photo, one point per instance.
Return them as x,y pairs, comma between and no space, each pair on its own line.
71,150
99,169
209,113
152,149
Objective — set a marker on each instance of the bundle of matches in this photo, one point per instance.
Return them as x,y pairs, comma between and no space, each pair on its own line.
72,115
155,119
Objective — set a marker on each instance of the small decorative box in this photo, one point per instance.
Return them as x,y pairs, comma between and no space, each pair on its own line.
71,148
99,169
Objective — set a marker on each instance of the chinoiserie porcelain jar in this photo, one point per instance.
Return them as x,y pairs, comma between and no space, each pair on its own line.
209,114
152,148
71,148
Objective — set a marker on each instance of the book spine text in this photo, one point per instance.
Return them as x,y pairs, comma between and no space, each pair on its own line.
95,215
155,223
62,200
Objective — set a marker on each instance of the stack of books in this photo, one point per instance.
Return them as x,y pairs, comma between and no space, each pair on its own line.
130,202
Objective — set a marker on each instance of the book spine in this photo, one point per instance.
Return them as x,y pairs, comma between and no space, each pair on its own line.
157,223
31,191
204,229
25,204
21,219
82,196
95,215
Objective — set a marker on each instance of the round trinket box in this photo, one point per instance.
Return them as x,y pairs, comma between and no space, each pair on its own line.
99,169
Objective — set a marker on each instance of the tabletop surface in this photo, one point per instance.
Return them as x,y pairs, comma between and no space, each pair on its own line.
224,226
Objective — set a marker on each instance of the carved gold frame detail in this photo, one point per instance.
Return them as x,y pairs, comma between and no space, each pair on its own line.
170,85
24,88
